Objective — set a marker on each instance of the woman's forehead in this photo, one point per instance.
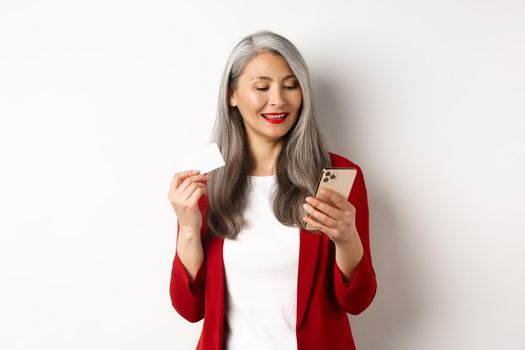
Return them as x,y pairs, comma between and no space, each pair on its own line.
268,66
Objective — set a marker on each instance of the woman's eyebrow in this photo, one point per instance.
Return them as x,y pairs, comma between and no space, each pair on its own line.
268,78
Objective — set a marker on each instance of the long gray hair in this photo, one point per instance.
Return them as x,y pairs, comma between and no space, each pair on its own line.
303,154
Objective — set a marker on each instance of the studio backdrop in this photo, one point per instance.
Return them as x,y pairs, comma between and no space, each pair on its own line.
98,98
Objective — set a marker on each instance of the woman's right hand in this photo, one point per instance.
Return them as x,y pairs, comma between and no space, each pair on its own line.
185,191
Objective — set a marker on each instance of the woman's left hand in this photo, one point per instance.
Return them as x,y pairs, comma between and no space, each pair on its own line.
333,215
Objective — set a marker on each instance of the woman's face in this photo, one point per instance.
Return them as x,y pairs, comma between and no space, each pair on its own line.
267,85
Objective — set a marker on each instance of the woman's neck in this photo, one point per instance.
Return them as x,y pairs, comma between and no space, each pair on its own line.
265,158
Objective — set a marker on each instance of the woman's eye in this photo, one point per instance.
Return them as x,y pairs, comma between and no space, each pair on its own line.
287,87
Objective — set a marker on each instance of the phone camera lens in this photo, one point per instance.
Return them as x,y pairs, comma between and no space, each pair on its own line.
332,176
327,173
325,179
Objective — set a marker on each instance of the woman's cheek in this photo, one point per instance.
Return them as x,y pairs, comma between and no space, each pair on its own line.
255,98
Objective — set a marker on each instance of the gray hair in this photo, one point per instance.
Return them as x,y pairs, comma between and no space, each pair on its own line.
303,154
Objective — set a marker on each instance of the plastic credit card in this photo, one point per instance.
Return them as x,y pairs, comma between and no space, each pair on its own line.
205,159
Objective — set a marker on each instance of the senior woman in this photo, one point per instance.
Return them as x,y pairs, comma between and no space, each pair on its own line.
244,261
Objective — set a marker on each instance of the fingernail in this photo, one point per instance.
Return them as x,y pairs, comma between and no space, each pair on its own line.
195,171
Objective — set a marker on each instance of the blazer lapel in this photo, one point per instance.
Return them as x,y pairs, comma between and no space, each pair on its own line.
308,256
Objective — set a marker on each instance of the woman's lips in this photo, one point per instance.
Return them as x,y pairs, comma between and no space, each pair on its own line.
275,121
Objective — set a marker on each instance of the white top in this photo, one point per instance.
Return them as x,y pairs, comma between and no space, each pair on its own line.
261,268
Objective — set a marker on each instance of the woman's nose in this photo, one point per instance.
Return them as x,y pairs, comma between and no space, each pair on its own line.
276,97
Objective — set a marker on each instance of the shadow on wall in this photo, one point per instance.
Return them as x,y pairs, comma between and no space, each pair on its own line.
399,304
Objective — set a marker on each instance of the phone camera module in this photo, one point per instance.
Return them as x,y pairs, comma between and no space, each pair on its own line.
329,176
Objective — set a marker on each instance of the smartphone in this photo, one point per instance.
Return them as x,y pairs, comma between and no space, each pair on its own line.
339,180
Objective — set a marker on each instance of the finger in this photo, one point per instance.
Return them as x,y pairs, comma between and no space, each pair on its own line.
319,216
186,194
319,226
200,178
334,197
326,208
309,221
178,178
191,188
204,189
194,198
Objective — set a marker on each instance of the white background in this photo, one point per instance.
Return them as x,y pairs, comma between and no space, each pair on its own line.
98,98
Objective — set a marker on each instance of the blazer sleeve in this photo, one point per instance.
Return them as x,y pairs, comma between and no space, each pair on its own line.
187,295
356,295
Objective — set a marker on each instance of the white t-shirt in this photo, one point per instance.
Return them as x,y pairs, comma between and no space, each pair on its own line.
261,268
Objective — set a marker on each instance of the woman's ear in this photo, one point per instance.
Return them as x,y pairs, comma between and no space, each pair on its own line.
232,98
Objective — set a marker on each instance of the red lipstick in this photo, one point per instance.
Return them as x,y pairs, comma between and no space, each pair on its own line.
272,117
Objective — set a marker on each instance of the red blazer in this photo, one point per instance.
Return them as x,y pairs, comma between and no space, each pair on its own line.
323,296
